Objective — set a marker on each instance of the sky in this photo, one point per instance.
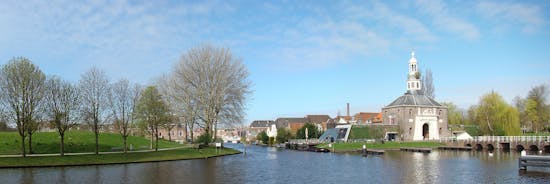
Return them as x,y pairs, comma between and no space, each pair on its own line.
304,57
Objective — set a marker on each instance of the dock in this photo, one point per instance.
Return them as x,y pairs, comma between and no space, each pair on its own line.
422,150
371,152
457,148
534,161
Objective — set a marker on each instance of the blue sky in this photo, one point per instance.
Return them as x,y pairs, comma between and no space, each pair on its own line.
304,57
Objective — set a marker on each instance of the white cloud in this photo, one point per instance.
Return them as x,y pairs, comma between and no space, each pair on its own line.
528,17
443,19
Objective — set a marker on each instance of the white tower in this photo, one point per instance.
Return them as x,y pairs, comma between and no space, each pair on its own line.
413,82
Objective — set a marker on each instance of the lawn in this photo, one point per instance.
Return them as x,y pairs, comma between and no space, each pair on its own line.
75,142
344,147
177,154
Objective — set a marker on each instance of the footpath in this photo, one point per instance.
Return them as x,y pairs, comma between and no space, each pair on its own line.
93,153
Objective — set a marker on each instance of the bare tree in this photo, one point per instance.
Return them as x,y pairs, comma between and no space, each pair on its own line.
123,100
22,85
428,85
94,91
216,82
62,101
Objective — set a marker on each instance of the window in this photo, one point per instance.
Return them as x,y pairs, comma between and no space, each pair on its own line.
410,112
180,133
417,85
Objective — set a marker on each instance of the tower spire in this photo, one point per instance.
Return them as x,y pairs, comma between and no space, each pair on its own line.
413,81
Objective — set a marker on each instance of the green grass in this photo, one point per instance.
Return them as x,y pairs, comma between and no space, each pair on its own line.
537,134
345,147
75,142
370,132
177,154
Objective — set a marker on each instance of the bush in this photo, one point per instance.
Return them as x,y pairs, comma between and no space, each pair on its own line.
204,139
271,140
262,136
283,135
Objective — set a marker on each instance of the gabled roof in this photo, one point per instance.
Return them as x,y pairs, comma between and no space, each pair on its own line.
283,122
317,118
363,116
414,99
261,123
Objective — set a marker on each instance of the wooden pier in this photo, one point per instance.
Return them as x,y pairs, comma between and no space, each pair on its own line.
372,152
422,150
457,148
532,160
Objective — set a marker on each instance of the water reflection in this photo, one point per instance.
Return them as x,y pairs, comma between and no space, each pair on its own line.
272,165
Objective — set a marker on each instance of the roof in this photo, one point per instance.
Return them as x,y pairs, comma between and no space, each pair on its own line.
414,99
317,118
363,116
261,123
283,122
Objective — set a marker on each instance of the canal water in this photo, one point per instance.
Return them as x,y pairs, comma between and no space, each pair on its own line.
272,165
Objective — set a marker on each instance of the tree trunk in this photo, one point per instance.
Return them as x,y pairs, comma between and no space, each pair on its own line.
62,146
151,146
169,136
191,130
186,131
156,139
23,146
124,141
97,143
30,143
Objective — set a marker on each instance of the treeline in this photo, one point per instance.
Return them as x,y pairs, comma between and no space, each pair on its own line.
208,86
492,115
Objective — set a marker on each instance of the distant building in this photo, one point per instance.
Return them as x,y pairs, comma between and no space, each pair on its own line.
418,116
258,126
365,118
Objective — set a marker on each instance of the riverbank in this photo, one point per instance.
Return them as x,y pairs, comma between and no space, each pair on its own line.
355,146
114,158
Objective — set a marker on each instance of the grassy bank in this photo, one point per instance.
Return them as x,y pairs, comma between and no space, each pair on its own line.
75,142
345,147
177,154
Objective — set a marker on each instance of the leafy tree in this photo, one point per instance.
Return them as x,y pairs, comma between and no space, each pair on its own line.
283,135
22,90
537,110
454,114
495,117
153,111
312,130
262,136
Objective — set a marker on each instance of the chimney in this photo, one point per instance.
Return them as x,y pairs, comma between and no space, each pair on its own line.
347,110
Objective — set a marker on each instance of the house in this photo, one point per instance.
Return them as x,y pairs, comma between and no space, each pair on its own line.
364,118
177,133
320,120
293,124
258,126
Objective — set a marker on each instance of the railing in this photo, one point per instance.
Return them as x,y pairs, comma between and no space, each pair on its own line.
502,139
304,141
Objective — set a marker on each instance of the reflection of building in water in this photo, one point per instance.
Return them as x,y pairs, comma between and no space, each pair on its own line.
418,116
